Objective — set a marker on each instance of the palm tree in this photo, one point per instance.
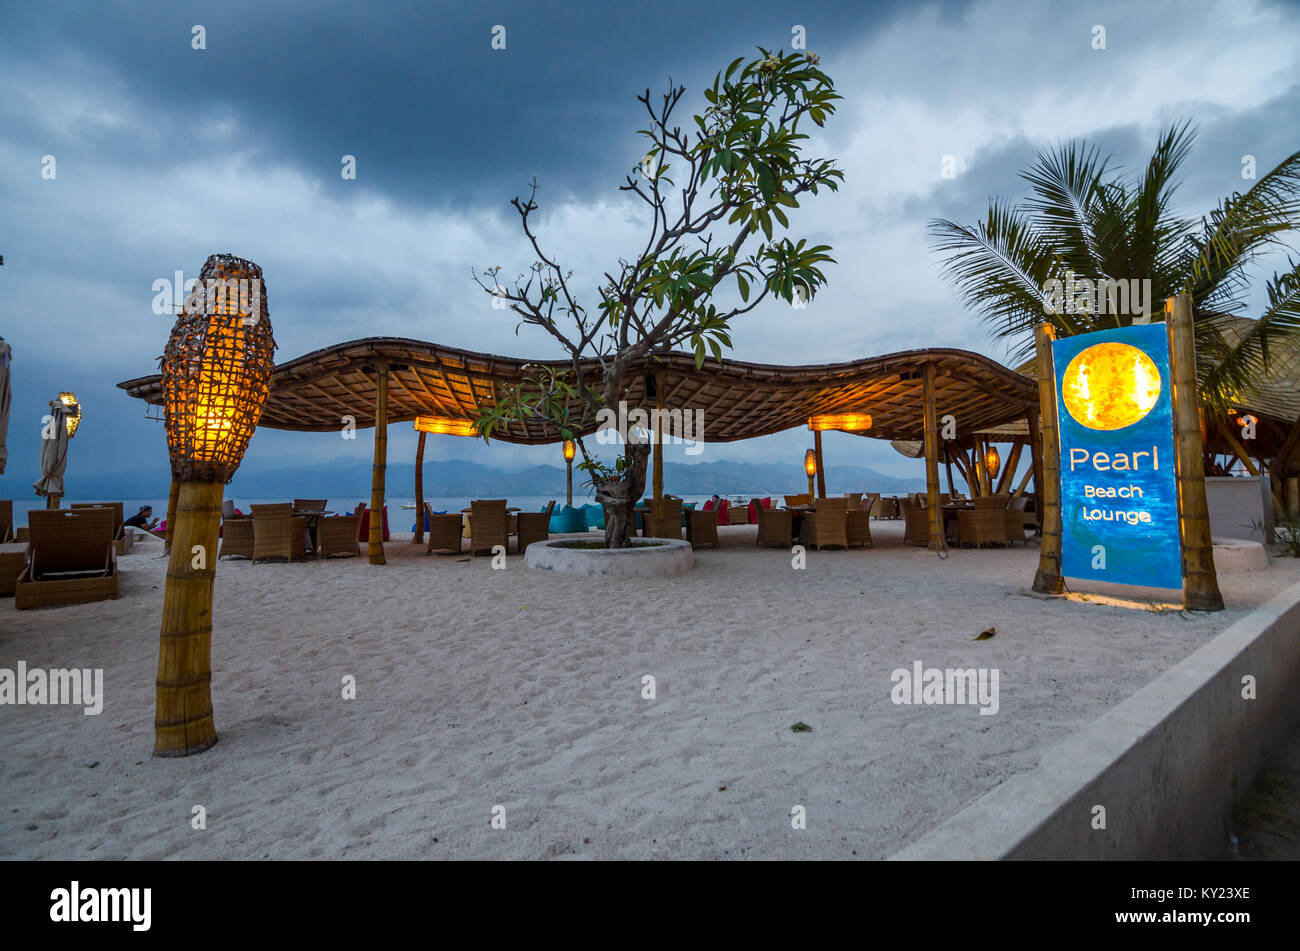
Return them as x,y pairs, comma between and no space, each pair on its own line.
1100,223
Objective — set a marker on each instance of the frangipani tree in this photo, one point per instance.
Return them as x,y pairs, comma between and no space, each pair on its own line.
716,197
1087,221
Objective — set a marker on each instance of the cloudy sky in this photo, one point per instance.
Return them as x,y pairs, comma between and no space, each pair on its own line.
164,154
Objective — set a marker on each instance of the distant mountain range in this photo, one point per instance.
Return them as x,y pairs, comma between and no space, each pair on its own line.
468,479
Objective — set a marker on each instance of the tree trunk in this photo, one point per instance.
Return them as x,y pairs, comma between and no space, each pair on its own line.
618,497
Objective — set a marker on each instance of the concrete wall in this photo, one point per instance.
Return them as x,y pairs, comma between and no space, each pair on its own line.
1166,764
1234,504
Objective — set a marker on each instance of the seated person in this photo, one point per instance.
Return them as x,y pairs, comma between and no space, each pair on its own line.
140,519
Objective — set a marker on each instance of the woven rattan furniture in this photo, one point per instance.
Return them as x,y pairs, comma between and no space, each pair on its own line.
337,535
488,525
855,500
985,524
237,536
310,505
6,520
702,527
874,507
916,523
119,534
858,528
13,558
826,524
1017,518
71,559
798,500
444,531
775,527
663,518
278,533
533,526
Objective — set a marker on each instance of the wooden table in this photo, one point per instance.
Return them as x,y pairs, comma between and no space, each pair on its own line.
312,516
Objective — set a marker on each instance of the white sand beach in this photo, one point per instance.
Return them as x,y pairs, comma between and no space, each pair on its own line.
479,687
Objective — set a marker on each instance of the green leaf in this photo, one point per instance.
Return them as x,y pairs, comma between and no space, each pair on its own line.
744,287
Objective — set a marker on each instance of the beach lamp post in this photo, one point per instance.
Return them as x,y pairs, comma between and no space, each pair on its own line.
216,378
570,448
810,467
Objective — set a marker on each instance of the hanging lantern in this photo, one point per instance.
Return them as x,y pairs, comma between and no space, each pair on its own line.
992,461
570,449
445,426
844,422
217,370
73,419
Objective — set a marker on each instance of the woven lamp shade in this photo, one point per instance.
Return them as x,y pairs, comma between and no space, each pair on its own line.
217,370
74,412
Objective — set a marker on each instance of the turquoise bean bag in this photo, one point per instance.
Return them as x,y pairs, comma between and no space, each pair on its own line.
568,518
595,516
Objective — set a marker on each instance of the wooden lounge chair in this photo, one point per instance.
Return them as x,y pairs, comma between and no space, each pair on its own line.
663,518
337,535
775,527
798,500
6,520
985,524
71,559
119,536
488,525
237,536
533,527
278,533
827,524
445,531
858,528
702,527
916,523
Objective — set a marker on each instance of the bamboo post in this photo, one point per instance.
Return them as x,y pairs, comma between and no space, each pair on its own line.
52,501
183,696
1048,580
977,467
376,541
568,482
419,490
1036,464
172,494
1200,582
947,464
1293,495
821,468
937,541
1009,467
659,438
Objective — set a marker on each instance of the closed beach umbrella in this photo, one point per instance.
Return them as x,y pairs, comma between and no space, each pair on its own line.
6,353
54,452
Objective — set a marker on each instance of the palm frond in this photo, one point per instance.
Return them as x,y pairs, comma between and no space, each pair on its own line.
1066,181
1228,360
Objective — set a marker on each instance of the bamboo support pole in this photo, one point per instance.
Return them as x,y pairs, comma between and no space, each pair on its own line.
568,482
1200,582
1240,451
977,467
821,467
1036,464
929,428
376,541
172,495
52,501
1048,580
419,490
1293,495
1009,467
947,464
183,699
659,442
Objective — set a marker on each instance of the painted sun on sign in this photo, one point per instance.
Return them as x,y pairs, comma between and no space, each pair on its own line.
1110,386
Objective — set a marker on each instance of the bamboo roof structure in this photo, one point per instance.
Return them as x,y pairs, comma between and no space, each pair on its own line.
739,400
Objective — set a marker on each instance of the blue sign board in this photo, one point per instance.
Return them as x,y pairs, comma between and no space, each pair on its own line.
1119,492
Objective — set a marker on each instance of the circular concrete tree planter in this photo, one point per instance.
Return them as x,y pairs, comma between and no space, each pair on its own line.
671,556
1235,555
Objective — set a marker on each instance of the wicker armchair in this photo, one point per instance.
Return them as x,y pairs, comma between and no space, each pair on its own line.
775,527
6,520
858,528
875,508
916,523
278,533
663,518
827,524
237,536
798,500
445,531
534,527
985,524
855,500
71,559
702,528
310,505
337,535
488,525
1017,520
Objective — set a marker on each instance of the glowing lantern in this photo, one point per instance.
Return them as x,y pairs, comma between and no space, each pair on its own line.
845,422
569,450
810,467
445,426
992,461
73,419
1110,386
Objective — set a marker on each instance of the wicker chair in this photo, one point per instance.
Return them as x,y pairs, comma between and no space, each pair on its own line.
445,531
1017,519
337,535
855,500
916,523
534,527
985,524
6,520
237,536
702,527
775,527
827,524
119,545
663,518
278,533
858,528
798,500
875,508
488,525
310,505
71,559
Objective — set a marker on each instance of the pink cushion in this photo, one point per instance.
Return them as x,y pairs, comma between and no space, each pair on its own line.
724,512
753,509
708,506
